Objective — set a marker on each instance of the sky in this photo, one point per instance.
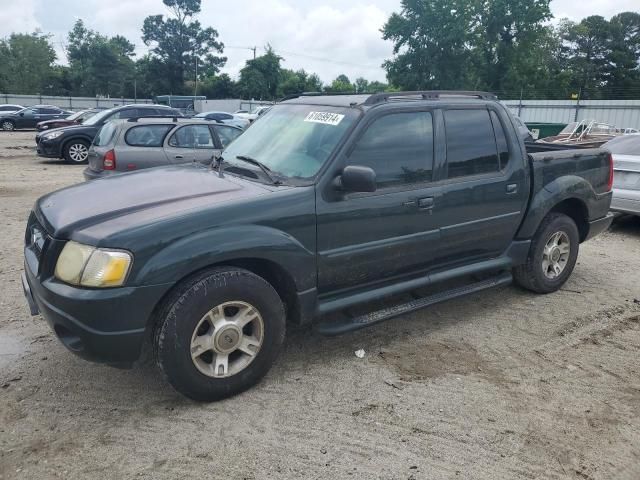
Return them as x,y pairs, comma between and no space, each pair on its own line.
328,37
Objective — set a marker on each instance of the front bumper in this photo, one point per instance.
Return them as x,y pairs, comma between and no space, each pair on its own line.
626,201
48,149
101,325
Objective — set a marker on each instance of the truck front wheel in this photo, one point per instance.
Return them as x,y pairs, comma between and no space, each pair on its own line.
552,256
219,333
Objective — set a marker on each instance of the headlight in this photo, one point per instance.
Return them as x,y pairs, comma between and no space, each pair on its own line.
52,135
88,266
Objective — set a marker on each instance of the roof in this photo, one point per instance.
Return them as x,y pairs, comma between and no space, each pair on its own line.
372,99
170,119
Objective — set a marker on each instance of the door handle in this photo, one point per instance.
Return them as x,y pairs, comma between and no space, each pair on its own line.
179,156
425,203
512,188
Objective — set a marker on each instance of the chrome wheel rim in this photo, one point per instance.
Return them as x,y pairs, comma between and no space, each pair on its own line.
227,339
78,152
556,255
7,126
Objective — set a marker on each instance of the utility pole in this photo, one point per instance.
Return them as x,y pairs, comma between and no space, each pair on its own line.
195,90
254,52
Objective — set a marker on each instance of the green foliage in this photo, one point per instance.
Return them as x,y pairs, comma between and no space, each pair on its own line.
26,63
260,78
180,41
100,65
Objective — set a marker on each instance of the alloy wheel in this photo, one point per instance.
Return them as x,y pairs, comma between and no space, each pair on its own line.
556,255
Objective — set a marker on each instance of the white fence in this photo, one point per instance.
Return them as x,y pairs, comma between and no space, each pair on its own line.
621,113
68,103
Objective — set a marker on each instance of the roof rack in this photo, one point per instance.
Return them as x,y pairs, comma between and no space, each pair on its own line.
135,119
427,95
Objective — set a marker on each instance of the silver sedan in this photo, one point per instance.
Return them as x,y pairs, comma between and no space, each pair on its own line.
625,150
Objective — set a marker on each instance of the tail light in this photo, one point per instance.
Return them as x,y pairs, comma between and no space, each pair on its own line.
610,182
109,160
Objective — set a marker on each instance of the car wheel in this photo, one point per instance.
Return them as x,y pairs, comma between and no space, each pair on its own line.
8,125
76,151
219,333
552,256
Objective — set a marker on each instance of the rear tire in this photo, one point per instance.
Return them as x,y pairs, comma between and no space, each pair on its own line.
219,333
76,152
552,255
8,126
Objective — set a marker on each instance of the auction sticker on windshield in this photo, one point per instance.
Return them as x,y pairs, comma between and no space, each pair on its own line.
327,118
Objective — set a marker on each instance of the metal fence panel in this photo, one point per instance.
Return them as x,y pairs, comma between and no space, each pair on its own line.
621,113
69,103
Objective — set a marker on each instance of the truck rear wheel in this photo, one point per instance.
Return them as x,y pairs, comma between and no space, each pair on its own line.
219,333
552,256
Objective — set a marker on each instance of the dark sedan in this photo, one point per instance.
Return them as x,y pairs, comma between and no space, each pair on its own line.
29,117
73,119
72,143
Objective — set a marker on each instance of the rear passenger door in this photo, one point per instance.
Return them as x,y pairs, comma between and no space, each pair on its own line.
484,188
141,147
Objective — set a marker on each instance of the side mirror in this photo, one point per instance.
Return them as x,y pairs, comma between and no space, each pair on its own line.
356,178
80,120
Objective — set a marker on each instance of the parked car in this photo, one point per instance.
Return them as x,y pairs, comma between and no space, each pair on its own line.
72,142
224,117
30,116
626,166
73,119
127,145
8,107
253,116
326,203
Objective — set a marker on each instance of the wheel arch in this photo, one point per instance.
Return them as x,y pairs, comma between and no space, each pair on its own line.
66,142
575,209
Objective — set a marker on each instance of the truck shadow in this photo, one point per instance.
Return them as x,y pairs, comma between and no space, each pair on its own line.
626,224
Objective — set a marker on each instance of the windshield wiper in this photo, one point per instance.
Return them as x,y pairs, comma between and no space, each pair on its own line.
266,170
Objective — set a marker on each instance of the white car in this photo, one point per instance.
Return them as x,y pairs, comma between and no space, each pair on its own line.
251,117
225,118
625,150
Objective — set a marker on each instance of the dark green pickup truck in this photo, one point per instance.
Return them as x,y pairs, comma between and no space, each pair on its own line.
324,205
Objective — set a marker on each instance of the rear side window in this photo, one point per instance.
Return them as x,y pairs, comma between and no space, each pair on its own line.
127,113
105,134
147,135
501,140
49,111
192,136
226,134
471,144
399,148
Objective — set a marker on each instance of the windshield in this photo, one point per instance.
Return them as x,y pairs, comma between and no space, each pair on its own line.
625,145
292,140
98,117
75,116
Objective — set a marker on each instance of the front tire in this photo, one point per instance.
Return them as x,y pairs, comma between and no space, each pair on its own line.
552,256
219,333
8,126
76,152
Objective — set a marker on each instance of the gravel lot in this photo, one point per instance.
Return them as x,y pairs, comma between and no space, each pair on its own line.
500,385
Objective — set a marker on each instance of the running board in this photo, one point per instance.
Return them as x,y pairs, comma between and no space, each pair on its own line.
356,323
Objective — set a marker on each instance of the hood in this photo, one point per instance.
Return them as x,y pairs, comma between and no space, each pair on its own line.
59,121
138,198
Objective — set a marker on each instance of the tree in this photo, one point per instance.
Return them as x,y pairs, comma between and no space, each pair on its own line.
180,41
624,68
221,86
431,44
27,63
298,82
100,65
341,84
260,77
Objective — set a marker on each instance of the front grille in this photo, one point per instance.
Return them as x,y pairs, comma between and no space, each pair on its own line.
36,237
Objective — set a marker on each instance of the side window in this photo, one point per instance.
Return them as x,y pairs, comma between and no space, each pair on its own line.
501,140
226,134
471,144
49,111
105,135
399,148
147,135
192,136
127,113
226,116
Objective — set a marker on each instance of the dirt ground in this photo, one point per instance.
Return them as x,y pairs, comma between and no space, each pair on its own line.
499,385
